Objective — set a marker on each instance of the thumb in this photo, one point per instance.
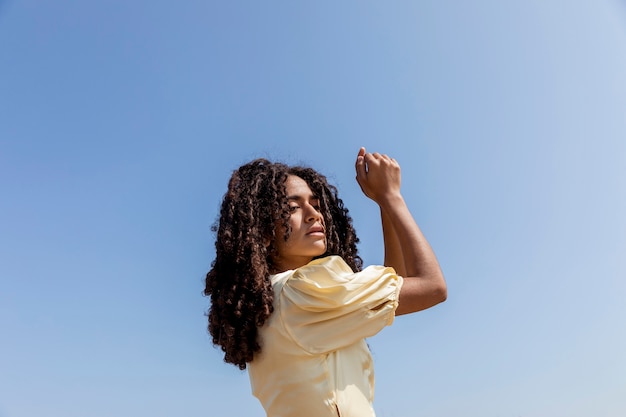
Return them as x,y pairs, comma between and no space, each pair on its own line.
360,166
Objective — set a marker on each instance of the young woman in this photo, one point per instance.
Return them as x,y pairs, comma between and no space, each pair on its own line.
289,298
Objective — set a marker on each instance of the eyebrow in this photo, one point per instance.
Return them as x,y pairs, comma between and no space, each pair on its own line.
299,197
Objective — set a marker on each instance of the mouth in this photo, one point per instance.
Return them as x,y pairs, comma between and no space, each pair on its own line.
316,231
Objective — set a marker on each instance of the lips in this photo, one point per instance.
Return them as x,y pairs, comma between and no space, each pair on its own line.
315,230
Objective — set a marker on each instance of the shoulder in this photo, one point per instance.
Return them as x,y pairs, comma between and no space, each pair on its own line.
327,268
333,270
330,282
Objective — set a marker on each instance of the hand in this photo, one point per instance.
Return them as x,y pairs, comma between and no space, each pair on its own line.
378,175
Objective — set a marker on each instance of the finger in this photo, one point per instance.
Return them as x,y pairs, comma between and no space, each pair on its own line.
359,156
370,157
360,166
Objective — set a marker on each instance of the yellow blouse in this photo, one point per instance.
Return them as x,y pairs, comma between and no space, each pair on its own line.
314,361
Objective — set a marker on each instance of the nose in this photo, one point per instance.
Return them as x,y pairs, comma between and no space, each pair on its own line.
313,214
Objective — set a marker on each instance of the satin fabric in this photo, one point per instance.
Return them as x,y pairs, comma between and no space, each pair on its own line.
314,360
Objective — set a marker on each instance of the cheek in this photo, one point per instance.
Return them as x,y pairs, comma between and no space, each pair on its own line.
293,221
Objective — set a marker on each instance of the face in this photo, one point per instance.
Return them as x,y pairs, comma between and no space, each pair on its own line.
308,237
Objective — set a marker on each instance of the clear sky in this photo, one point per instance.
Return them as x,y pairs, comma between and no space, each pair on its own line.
121,121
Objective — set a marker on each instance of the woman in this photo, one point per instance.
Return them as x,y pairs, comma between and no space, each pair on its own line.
289,299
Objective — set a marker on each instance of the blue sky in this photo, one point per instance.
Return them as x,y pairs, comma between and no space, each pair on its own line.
120,123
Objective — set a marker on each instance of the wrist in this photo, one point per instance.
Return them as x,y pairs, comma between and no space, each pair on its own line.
389,200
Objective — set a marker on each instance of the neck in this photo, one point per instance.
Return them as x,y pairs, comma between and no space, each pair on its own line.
282,265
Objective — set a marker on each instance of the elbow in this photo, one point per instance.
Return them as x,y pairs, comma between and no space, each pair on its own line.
417,295
441,291
440,294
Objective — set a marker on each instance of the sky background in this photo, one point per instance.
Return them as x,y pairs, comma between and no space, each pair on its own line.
121,122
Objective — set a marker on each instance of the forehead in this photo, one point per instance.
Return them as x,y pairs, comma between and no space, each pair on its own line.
297,187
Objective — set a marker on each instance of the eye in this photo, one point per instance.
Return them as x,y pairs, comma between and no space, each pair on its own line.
293,208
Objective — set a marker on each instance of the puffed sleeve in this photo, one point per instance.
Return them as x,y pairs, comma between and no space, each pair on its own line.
326,306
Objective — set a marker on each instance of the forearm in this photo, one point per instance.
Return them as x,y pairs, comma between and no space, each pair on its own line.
393,249
424,285
418,258
406,248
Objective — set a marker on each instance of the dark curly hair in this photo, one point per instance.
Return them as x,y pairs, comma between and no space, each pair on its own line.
239,280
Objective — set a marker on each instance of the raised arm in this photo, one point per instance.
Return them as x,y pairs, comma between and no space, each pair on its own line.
409,252
393,249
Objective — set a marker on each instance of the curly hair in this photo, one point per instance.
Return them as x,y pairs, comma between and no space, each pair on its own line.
239,280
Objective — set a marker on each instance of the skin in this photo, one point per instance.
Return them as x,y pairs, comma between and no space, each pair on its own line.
307,239
406,248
